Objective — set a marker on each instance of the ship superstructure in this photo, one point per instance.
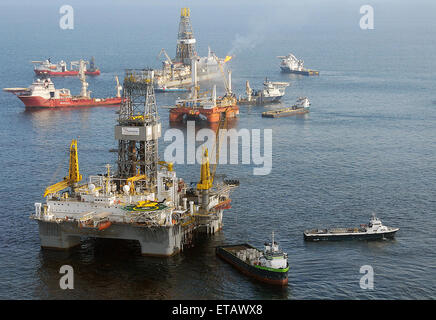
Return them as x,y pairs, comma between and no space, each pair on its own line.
47,68
290,64
143,199
176,73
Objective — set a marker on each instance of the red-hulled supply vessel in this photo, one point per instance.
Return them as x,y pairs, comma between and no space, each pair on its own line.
43,94
47,68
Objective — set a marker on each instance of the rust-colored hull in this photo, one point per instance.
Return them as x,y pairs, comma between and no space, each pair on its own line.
211,115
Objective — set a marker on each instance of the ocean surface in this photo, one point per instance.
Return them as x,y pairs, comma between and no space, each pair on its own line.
367,146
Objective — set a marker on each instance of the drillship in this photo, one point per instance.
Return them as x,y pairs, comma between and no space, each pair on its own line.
43,94
290,64
47,68
272,92
175,74
143,200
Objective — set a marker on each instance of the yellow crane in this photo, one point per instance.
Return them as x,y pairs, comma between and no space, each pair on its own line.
168,165
206,175
74,175
131,181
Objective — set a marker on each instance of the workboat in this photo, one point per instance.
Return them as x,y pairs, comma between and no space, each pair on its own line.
271,92
47,68
290,64
300,107
43,94
375,230
270,265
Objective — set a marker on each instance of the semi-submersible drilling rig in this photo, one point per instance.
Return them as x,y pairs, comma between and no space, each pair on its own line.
144,200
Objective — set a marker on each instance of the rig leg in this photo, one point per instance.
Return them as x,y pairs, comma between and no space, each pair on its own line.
53,237
161,242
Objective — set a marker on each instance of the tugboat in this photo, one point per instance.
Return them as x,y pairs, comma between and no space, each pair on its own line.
375,230
42,94
47,68
269,266
301,107
272,92
290,64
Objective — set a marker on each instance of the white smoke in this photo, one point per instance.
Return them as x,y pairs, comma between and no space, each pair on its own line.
246,42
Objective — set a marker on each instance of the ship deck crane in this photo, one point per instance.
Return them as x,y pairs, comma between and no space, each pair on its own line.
74,175
207,175
227,84
162,51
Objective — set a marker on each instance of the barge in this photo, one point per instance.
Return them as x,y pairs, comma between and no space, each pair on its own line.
269,266
301,107
375,230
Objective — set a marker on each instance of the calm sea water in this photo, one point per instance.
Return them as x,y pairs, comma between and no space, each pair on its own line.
368,145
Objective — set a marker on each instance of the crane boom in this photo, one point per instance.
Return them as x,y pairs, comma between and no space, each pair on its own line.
166,55
74,175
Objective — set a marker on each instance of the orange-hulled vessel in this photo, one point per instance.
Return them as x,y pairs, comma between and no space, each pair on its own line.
43,94
205,108
210,110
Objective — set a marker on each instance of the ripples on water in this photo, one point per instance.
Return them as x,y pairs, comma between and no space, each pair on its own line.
368,145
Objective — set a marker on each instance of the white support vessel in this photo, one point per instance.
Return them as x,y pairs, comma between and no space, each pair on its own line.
271,92
375,230
290,64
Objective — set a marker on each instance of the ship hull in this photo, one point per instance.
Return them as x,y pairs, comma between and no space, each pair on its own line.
174,89
39,102
259,100
263,275
281,114
350,236
302,72
65,73
212,115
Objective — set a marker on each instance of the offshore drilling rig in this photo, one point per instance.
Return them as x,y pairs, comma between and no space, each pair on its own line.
176,73
143,200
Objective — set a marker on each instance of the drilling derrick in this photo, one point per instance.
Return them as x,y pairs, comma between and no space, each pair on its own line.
185,40
138,129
